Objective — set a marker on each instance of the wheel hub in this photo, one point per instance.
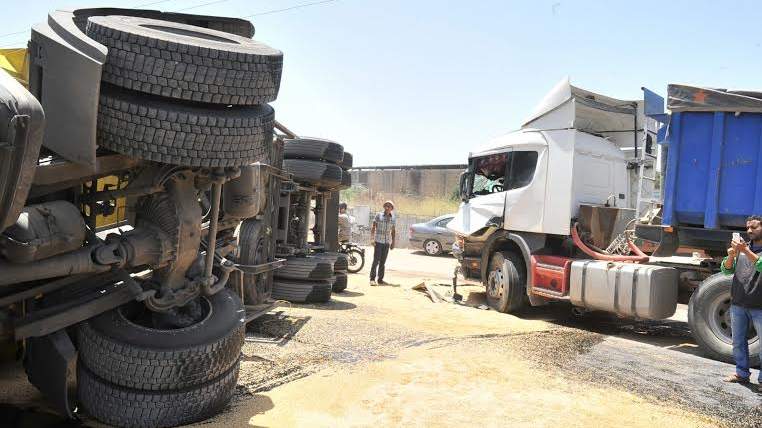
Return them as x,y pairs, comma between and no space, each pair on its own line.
495,284
432,247
719,320
180,317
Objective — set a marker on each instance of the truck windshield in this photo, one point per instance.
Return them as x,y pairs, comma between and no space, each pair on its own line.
503,171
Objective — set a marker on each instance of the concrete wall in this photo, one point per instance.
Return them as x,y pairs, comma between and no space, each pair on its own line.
415,182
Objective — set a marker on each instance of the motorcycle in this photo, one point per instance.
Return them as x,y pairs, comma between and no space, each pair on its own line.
356,255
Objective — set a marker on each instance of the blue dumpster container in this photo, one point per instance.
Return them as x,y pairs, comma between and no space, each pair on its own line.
713,175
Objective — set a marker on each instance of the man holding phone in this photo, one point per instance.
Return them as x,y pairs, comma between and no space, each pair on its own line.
744,262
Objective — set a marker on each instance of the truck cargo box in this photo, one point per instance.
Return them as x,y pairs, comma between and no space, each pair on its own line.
714,162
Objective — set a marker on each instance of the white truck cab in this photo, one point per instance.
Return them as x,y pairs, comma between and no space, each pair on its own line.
572,150
535,180
575,159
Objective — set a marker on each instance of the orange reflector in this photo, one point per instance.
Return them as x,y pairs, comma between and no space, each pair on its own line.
669,229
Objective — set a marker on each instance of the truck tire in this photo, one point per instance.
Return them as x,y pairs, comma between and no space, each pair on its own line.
346,180
132,355
151,128
342,263
126,407
338,261
302,291
341,282
253,250
709,320
186,62
346,161
313,149
305,268
314,173
506,290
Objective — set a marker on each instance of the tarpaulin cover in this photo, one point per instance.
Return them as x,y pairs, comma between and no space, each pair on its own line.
691,98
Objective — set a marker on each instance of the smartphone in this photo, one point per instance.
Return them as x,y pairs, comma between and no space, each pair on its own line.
737,237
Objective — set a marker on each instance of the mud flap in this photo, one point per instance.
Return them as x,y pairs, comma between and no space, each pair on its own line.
535,300
51,367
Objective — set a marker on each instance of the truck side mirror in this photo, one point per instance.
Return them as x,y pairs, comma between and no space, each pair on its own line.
464,186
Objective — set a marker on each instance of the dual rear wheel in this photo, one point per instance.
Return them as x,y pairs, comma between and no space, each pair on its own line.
183,95
138,368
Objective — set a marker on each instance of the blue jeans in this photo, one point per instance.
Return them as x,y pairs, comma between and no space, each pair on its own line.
740,318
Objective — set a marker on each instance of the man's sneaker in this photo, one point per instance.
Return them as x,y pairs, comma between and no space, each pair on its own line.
372,283
382,282
734,378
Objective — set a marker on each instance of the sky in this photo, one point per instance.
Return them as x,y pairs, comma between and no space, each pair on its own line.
406,82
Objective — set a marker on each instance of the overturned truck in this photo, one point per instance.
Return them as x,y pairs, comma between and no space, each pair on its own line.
314,268
127,138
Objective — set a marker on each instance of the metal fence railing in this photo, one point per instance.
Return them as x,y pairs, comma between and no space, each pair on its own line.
361,234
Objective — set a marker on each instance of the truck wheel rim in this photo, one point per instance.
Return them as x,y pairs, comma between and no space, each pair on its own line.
432,247
494,284
142,319
719,318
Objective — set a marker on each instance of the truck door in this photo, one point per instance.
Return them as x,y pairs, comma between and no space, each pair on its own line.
525,188
483,192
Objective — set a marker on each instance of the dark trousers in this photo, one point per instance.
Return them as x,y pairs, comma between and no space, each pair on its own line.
380,251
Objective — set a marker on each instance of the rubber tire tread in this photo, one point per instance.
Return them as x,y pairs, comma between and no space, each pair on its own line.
125,407
257,288
187,68
339,261
314,173
302,291
712,346
342,263
346,181
346,161
161,368
150,128
305,268
341,282
314,149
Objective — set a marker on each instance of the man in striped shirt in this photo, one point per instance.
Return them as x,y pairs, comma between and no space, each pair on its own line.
384,235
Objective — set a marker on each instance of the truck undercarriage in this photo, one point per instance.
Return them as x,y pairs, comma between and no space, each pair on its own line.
128,169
